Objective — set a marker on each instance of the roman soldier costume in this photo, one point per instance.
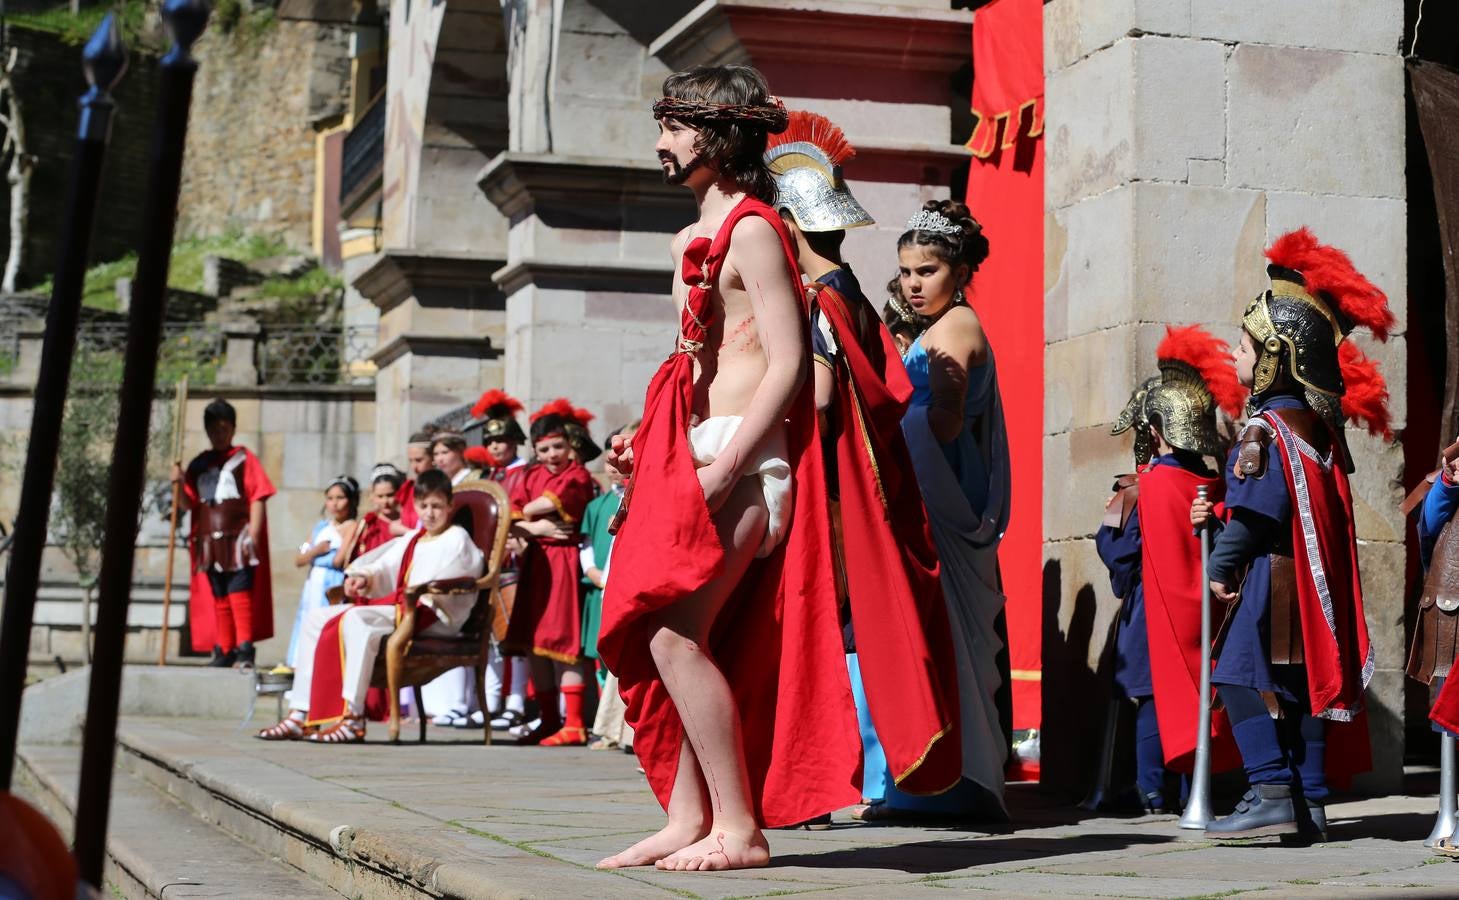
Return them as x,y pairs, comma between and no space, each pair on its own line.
1155,561
1296,642
893,615
495,412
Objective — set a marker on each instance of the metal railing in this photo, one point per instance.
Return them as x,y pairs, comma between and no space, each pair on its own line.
312,354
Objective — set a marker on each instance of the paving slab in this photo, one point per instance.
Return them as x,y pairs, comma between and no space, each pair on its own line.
454,818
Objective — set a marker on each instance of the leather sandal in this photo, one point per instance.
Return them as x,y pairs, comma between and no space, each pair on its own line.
566,736
288,729
1445,846
349,730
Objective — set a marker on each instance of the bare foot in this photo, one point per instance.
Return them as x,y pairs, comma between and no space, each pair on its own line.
655,847
719,851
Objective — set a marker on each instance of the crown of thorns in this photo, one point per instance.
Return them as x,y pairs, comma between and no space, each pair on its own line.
771,114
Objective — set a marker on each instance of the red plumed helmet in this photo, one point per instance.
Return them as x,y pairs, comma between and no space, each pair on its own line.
497,402
1327,270
479,457
813,128
1365,395
1211,358
561,407
582,416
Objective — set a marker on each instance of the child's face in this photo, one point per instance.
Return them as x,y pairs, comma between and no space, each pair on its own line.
220,433
386,504
419,459
502,451
337,502
434,511
447,460
1244,356
553,452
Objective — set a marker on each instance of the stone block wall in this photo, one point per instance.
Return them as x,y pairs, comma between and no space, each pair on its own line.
1182,139
258,102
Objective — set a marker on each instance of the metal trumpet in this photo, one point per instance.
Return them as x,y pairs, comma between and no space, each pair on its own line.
1197,814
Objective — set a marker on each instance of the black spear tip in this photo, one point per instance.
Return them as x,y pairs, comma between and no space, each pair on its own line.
185,20
104,58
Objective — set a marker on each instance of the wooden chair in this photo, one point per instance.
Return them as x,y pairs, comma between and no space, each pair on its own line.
409,660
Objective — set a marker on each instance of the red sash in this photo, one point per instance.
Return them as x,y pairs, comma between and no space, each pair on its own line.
1338,657
778,641
1170,570
326,690
903,640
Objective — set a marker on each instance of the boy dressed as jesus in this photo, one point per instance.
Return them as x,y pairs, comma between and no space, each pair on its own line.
720,619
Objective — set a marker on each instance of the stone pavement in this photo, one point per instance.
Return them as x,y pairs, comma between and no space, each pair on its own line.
454,818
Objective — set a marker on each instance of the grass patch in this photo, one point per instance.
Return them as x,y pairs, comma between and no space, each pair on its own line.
306,287
185,269
76,28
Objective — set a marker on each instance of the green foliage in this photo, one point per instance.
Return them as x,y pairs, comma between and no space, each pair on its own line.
76,28
185,270
83,466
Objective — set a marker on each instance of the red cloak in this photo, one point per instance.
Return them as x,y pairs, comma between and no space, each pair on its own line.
1335,648
1170,571
547,611
778,642
903,640
253,485
1446,705
326,689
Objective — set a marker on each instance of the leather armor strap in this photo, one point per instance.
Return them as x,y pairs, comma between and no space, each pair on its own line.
1126,493
1441,585
1253,441
1285,613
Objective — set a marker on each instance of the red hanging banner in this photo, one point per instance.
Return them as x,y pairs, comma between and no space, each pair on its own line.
1006,194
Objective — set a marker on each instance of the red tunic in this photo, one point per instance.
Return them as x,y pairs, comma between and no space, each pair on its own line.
253,484
1170,570
547,614
903,640
778,641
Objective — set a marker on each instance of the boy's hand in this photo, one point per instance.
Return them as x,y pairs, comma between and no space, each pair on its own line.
1222,592
354,586
1451,471
175,476
620,454
1201,512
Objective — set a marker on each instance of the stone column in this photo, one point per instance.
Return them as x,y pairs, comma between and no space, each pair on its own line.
1183,138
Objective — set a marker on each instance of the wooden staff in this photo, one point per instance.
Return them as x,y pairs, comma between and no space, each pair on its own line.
179,415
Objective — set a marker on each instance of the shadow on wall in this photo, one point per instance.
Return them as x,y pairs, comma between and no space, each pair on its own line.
1075,695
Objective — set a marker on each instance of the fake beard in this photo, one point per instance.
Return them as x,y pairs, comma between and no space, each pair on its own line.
677,174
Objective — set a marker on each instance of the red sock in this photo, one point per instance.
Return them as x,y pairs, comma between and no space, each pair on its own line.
242,604
572,696
223,634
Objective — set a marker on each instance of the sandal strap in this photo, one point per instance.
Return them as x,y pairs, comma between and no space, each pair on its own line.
288,729
346,731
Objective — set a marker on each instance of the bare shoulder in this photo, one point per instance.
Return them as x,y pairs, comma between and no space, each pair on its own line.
959,334
753,235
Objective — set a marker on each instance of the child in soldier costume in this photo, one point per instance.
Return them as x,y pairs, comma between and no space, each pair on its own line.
1154,561
1294,659
496,413
230,603
898,653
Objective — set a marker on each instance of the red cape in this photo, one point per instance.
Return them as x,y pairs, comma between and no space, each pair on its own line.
1335,648
903,640
1170,571
256,486
778,642
1446,706
406,496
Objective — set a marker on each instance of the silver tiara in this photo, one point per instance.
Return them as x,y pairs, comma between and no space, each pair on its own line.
931,220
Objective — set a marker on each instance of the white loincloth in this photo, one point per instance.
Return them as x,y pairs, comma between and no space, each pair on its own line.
707,441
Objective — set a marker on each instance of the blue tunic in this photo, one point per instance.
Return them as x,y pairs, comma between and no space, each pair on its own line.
1120,549
1244,657
1437,510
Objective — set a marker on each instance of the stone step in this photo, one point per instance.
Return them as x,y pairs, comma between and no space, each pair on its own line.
358,844
157,845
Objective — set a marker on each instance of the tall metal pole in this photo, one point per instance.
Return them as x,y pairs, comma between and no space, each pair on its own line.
104,60
185,20
1197,813
179,426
